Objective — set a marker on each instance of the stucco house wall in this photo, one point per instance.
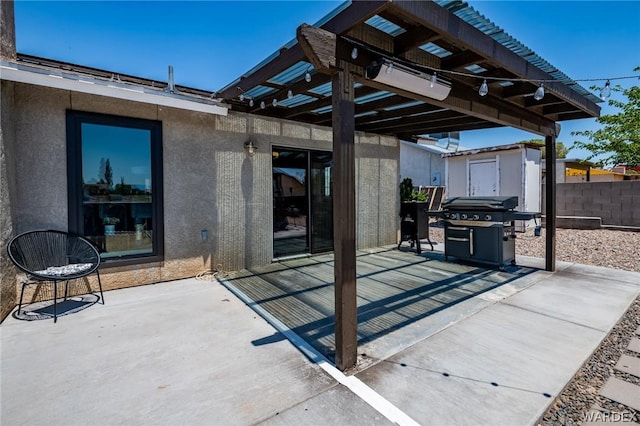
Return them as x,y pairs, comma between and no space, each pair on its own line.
7,190
209,180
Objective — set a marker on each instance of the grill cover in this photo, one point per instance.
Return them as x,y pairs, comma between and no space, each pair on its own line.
481,203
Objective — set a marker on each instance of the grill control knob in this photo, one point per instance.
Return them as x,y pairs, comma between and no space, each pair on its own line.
464,215
476,217
487,217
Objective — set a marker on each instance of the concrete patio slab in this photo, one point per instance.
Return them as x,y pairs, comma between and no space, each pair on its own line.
464,345
507,362
332,407
180,352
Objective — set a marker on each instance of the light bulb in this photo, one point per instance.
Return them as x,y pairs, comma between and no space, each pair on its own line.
290,94
354,53
251,102
307,77
389,68
241,97
539,93
606,91
434,79
274,102
262,105
484,89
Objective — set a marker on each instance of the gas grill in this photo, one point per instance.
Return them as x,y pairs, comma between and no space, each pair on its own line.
481,229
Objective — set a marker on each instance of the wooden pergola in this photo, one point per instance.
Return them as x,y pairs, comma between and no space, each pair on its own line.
442,36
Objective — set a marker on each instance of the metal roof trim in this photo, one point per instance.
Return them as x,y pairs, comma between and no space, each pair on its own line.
84,83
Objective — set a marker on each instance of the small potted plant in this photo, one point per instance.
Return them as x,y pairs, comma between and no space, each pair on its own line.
110,225
413,205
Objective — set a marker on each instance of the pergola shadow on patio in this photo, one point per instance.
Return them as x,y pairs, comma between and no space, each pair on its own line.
437,58
396,289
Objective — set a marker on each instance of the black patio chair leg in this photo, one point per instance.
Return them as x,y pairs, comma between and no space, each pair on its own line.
21,295
55,301
100,285
66,289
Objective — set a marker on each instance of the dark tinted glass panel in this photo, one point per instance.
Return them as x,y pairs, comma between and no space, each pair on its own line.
290,202
115,168
117,188
321,202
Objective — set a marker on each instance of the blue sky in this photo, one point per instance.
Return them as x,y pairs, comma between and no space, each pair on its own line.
211,43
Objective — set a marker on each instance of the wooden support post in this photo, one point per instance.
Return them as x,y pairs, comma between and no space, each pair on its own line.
550,210
325,53
344,217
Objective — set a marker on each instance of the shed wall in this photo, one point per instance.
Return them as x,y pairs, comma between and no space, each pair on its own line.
420,165
519,174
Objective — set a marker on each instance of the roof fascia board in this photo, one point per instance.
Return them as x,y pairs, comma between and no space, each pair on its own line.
42,77
437,18
492,149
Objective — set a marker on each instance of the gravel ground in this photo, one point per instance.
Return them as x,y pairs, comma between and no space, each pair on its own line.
601,247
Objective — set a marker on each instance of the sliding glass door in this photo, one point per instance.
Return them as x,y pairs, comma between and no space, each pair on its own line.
302,202
321,202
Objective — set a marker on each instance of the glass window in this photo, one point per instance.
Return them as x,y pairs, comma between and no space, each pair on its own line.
115,188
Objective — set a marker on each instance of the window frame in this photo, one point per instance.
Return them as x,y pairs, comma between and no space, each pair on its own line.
74,121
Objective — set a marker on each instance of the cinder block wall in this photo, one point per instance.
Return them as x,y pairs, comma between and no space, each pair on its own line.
617,203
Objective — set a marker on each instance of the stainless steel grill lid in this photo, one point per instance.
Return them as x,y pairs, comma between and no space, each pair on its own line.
481,203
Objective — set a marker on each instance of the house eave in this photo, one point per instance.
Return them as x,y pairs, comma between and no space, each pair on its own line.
21,73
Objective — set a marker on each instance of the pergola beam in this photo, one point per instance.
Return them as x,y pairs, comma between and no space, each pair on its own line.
440,20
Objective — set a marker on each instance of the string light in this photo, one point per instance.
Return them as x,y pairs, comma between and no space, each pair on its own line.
484,89
606,91
604,94
539,93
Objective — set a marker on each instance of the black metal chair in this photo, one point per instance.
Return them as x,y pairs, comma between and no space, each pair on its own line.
49,255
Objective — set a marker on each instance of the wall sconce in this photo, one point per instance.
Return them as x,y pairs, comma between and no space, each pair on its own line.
250,147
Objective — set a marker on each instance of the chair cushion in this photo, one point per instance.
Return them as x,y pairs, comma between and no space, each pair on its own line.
71,269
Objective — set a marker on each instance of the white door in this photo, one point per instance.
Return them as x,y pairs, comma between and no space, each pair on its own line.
483,178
